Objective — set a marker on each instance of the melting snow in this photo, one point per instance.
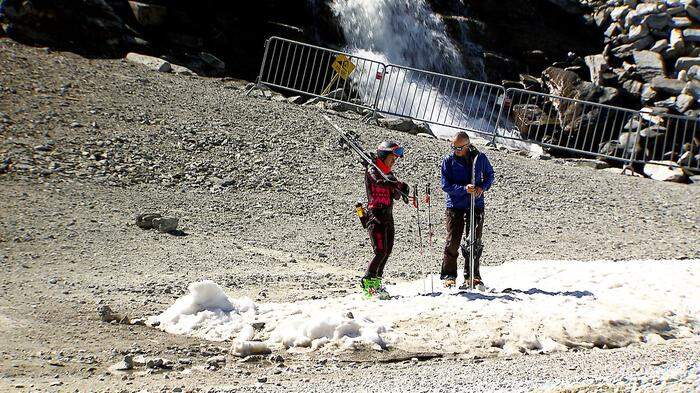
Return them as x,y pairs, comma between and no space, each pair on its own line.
553,306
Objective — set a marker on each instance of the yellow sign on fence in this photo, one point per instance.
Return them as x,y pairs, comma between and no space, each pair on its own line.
343,66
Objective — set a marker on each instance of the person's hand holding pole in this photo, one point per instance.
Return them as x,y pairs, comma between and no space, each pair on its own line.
477,191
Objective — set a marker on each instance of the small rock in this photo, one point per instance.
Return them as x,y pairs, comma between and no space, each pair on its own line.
150,62
165,224
262,379
126,364
145,220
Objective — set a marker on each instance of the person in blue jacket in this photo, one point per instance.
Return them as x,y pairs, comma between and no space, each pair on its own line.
466,173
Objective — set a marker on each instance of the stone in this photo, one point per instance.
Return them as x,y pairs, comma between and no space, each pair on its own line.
693,12
681,22
694,72
404,125
165,224
180,70
596,64
692,88
637,32
295,100
667,103
145,220
643,9
150,62
665,171
668,85
684,102
588,163
649,64
632,87
657,21
684,63
619,13
125,365
695,180
652,131
148,15
676,40
157,363
213,61
691,35
660,46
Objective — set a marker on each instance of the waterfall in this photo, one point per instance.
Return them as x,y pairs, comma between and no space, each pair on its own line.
405,32
409,33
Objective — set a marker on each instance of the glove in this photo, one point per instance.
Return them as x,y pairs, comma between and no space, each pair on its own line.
405,189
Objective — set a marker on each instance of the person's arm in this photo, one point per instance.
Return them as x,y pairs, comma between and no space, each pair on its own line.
489,174
447,185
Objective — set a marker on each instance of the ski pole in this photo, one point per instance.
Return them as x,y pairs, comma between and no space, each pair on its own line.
415,203
430,232
472,230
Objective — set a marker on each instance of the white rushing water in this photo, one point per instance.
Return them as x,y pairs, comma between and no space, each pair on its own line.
409,33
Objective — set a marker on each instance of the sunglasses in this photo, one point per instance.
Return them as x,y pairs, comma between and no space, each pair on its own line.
460,148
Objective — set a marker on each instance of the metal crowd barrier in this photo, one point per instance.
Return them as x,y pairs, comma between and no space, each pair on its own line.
558,123
321,72
440,99
593,129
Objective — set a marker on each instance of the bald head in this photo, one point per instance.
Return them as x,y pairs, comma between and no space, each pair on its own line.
460,144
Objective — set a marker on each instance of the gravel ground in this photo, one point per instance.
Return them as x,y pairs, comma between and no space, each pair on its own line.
265,196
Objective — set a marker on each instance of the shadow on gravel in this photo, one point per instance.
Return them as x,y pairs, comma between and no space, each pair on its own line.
178,233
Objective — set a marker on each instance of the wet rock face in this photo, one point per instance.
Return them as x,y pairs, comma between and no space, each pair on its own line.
519,36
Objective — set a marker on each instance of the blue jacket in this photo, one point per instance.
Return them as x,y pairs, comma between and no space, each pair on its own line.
457,173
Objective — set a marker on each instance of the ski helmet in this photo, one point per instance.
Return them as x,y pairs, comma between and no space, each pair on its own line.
388,147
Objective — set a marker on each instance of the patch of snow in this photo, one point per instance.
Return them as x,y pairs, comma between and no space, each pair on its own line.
553,306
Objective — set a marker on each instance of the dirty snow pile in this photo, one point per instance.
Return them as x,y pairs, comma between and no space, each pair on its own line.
548,306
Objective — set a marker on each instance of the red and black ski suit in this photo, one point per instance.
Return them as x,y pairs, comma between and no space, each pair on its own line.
381,194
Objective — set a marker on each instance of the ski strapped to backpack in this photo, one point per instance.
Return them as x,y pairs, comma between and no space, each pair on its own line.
366,158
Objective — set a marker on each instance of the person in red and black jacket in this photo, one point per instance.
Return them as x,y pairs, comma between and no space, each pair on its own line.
382,189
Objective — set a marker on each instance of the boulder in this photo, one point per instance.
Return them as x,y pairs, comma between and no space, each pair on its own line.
691,35
657,21
693,12
684,102
596,64
649,64
660,46
681,22
148,15
532,122
667,85
676,41
665,171
150,62
684,63
213,61
694,73
692,88
165,224
405,125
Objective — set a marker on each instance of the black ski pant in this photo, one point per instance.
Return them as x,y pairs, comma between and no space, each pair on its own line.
457,222
381,234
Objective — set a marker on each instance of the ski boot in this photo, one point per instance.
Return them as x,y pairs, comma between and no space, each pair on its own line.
450,283
477,284
380,290
369,288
